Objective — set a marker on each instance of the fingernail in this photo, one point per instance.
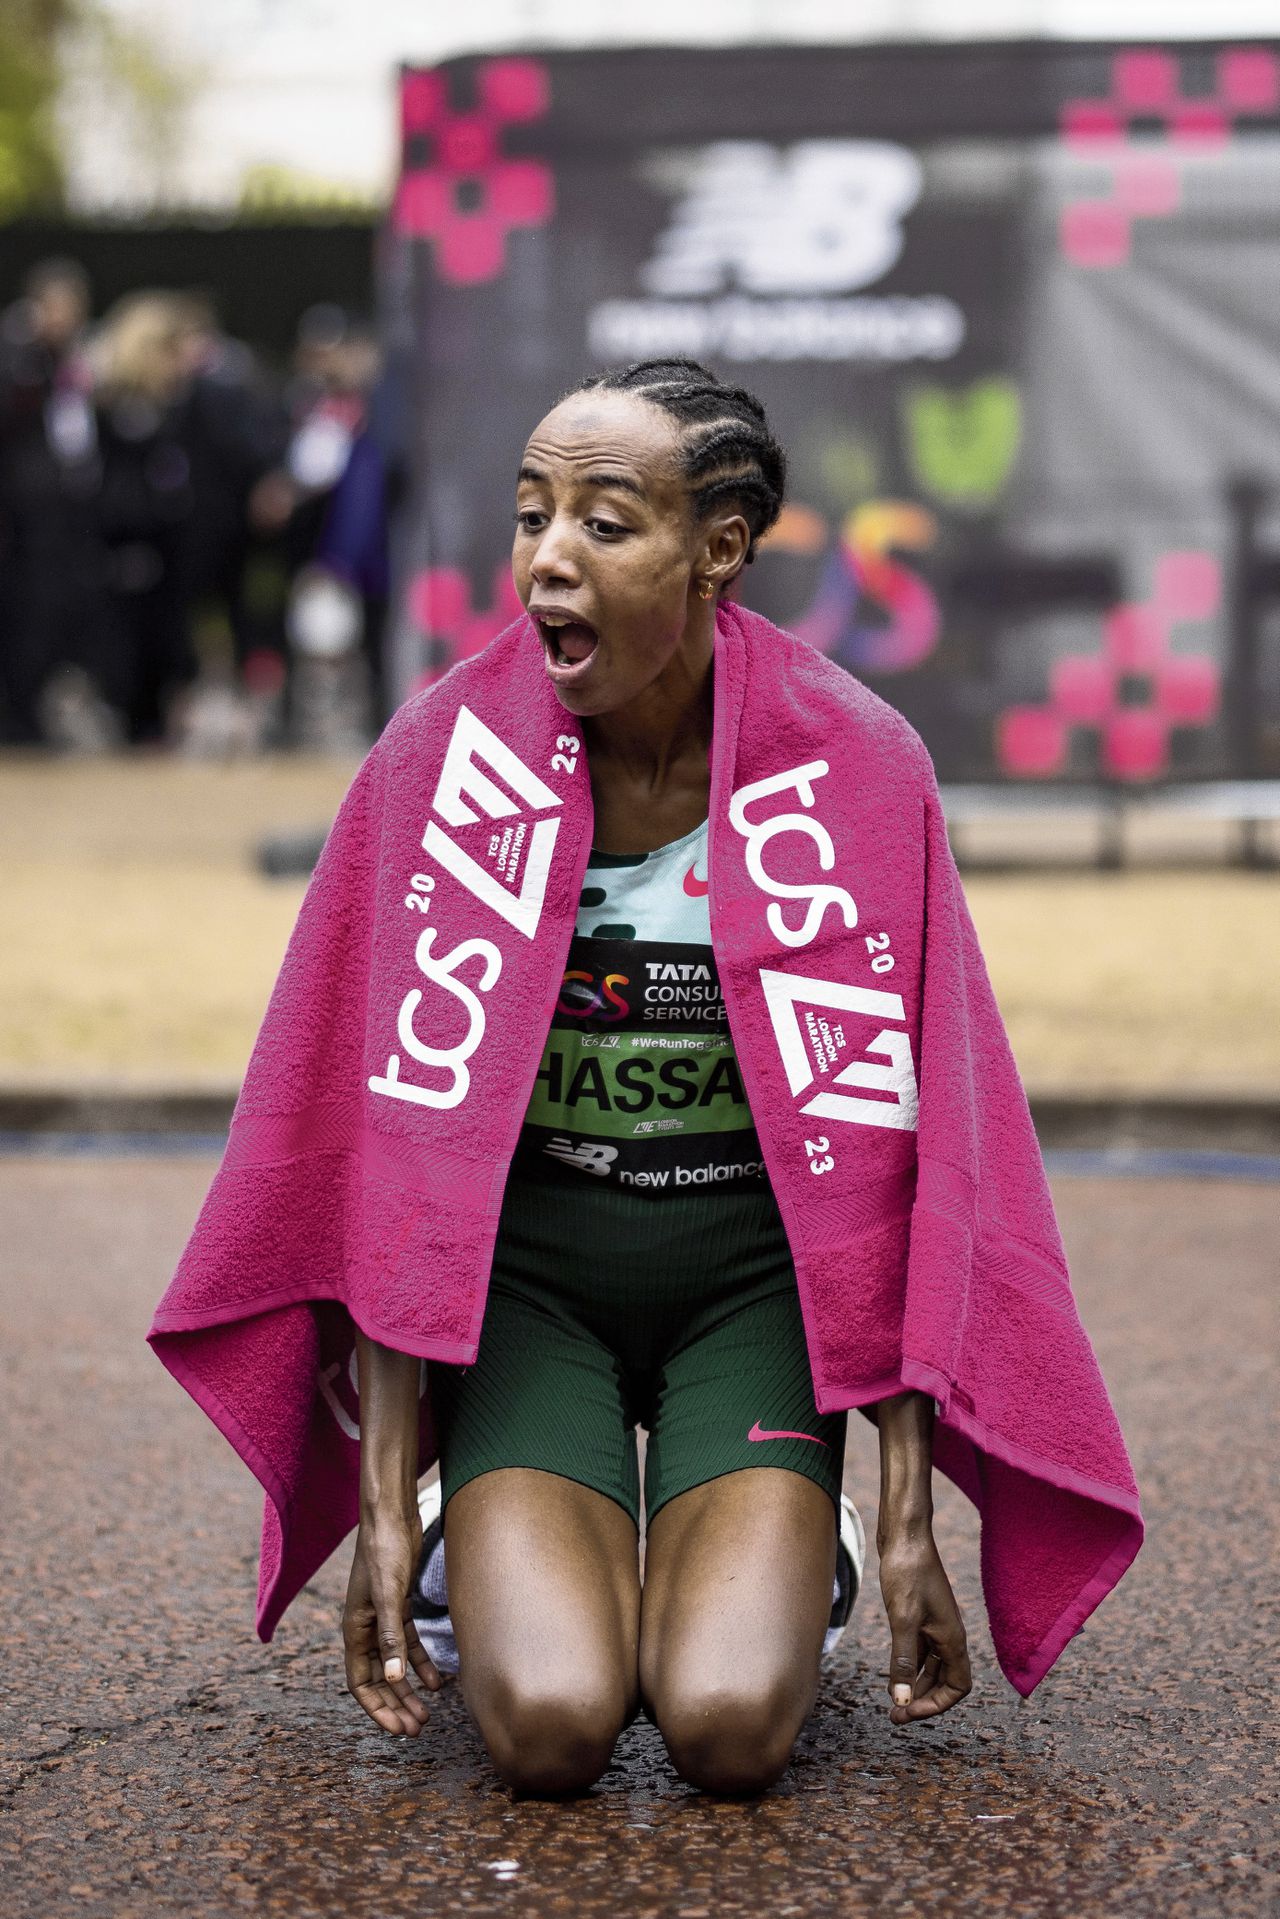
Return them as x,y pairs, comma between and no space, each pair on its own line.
902,1695
394,1669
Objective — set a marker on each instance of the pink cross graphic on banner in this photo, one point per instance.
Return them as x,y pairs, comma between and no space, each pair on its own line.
1146,179
1089,690
457,188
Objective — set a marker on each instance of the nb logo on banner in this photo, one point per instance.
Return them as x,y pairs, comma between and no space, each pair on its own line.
822,216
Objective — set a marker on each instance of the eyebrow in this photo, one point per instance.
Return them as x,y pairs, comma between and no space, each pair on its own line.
621,482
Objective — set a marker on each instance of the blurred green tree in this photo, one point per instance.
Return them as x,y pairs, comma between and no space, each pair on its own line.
40,41
31,170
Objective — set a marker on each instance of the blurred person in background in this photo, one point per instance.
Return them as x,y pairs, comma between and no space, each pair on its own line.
162,502
232,428
336,365
145,503
52,567
338,607
332,607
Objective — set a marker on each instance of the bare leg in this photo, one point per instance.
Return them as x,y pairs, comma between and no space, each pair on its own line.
544,1594
737,1596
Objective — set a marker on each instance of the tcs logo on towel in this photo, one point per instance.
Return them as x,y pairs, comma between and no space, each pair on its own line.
806,1048
472,746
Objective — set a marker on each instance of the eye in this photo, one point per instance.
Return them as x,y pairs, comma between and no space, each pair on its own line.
528,518
608,529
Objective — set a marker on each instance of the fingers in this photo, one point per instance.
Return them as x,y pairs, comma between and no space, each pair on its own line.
393,1652
378,1637
396,1708
904,1659
940,1697
943,1680
393,1703
927,1677
389,1596
420,1659
929,1662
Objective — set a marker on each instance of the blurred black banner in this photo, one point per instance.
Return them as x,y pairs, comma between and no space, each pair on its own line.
1012,309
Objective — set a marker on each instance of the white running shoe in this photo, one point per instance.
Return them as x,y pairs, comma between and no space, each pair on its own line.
851,1557
428,1594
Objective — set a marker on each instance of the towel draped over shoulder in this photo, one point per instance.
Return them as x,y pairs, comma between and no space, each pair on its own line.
363,1177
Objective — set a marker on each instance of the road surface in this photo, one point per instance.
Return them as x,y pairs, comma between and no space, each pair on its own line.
157,1759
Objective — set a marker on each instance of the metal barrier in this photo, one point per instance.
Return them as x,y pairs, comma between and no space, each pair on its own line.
1248,804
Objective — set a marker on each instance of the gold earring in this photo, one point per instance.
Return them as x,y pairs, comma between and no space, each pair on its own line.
705,589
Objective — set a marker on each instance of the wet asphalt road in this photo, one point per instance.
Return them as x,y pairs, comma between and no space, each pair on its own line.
157,1759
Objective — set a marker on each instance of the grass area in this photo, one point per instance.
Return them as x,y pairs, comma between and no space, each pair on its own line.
140,943
1144,982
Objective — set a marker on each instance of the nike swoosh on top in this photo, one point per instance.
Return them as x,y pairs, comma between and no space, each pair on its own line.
693,886
758,1432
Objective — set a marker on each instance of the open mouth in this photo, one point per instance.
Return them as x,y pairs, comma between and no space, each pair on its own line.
569,642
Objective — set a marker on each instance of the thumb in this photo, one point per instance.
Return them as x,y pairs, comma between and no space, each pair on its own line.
391,1647
388,1603
904,1660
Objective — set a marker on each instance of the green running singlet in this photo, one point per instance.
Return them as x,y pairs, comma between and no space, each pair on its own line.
641,1274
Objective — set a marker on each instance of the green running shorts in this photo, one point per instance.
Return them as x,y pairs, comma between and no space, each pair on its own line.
609,1310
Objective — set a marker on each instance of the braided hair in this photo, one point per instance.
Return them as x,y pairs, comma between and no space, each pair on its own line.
729,454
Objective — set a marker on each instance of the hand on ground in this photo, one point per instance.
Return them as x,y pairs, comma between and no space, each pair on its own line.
378,1636
929,1662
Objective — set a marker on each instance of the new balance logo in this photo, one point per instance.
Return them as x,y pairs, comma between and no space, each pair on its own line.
586,1157
819,217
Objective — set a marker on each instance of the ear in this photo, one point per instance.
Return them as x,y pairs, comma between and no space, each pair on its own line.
722,553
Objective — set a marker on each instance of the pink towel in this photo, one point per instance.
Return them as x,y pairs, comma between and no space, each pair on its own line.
364,1173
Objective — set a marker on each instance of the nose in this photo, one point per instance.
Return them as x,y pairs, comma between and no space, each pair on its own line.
554,562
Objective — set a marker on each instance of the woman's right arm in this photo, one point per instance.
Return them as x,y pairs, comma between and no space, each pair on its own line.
378,1637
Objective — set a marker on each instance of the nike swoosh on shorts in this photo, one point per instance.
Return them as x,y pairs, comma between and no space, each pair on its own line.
759,1432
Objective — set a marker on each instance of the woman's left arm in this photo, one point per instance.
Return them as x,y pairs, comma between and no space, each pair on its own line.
929,1662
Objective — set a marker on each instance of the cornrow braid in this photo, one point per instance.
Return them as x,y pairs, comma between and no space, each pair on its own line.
729,454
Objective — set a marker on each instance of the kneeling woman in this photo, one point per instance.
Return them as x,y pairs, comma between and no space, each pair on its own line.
655,1101
642,1272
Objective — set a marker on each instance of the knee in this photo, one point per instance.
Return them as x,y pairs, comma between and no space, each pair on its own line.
725,1742
549,1741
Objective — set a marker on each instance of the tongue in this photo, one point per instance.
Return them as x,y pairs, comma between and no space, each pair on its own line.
576,642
